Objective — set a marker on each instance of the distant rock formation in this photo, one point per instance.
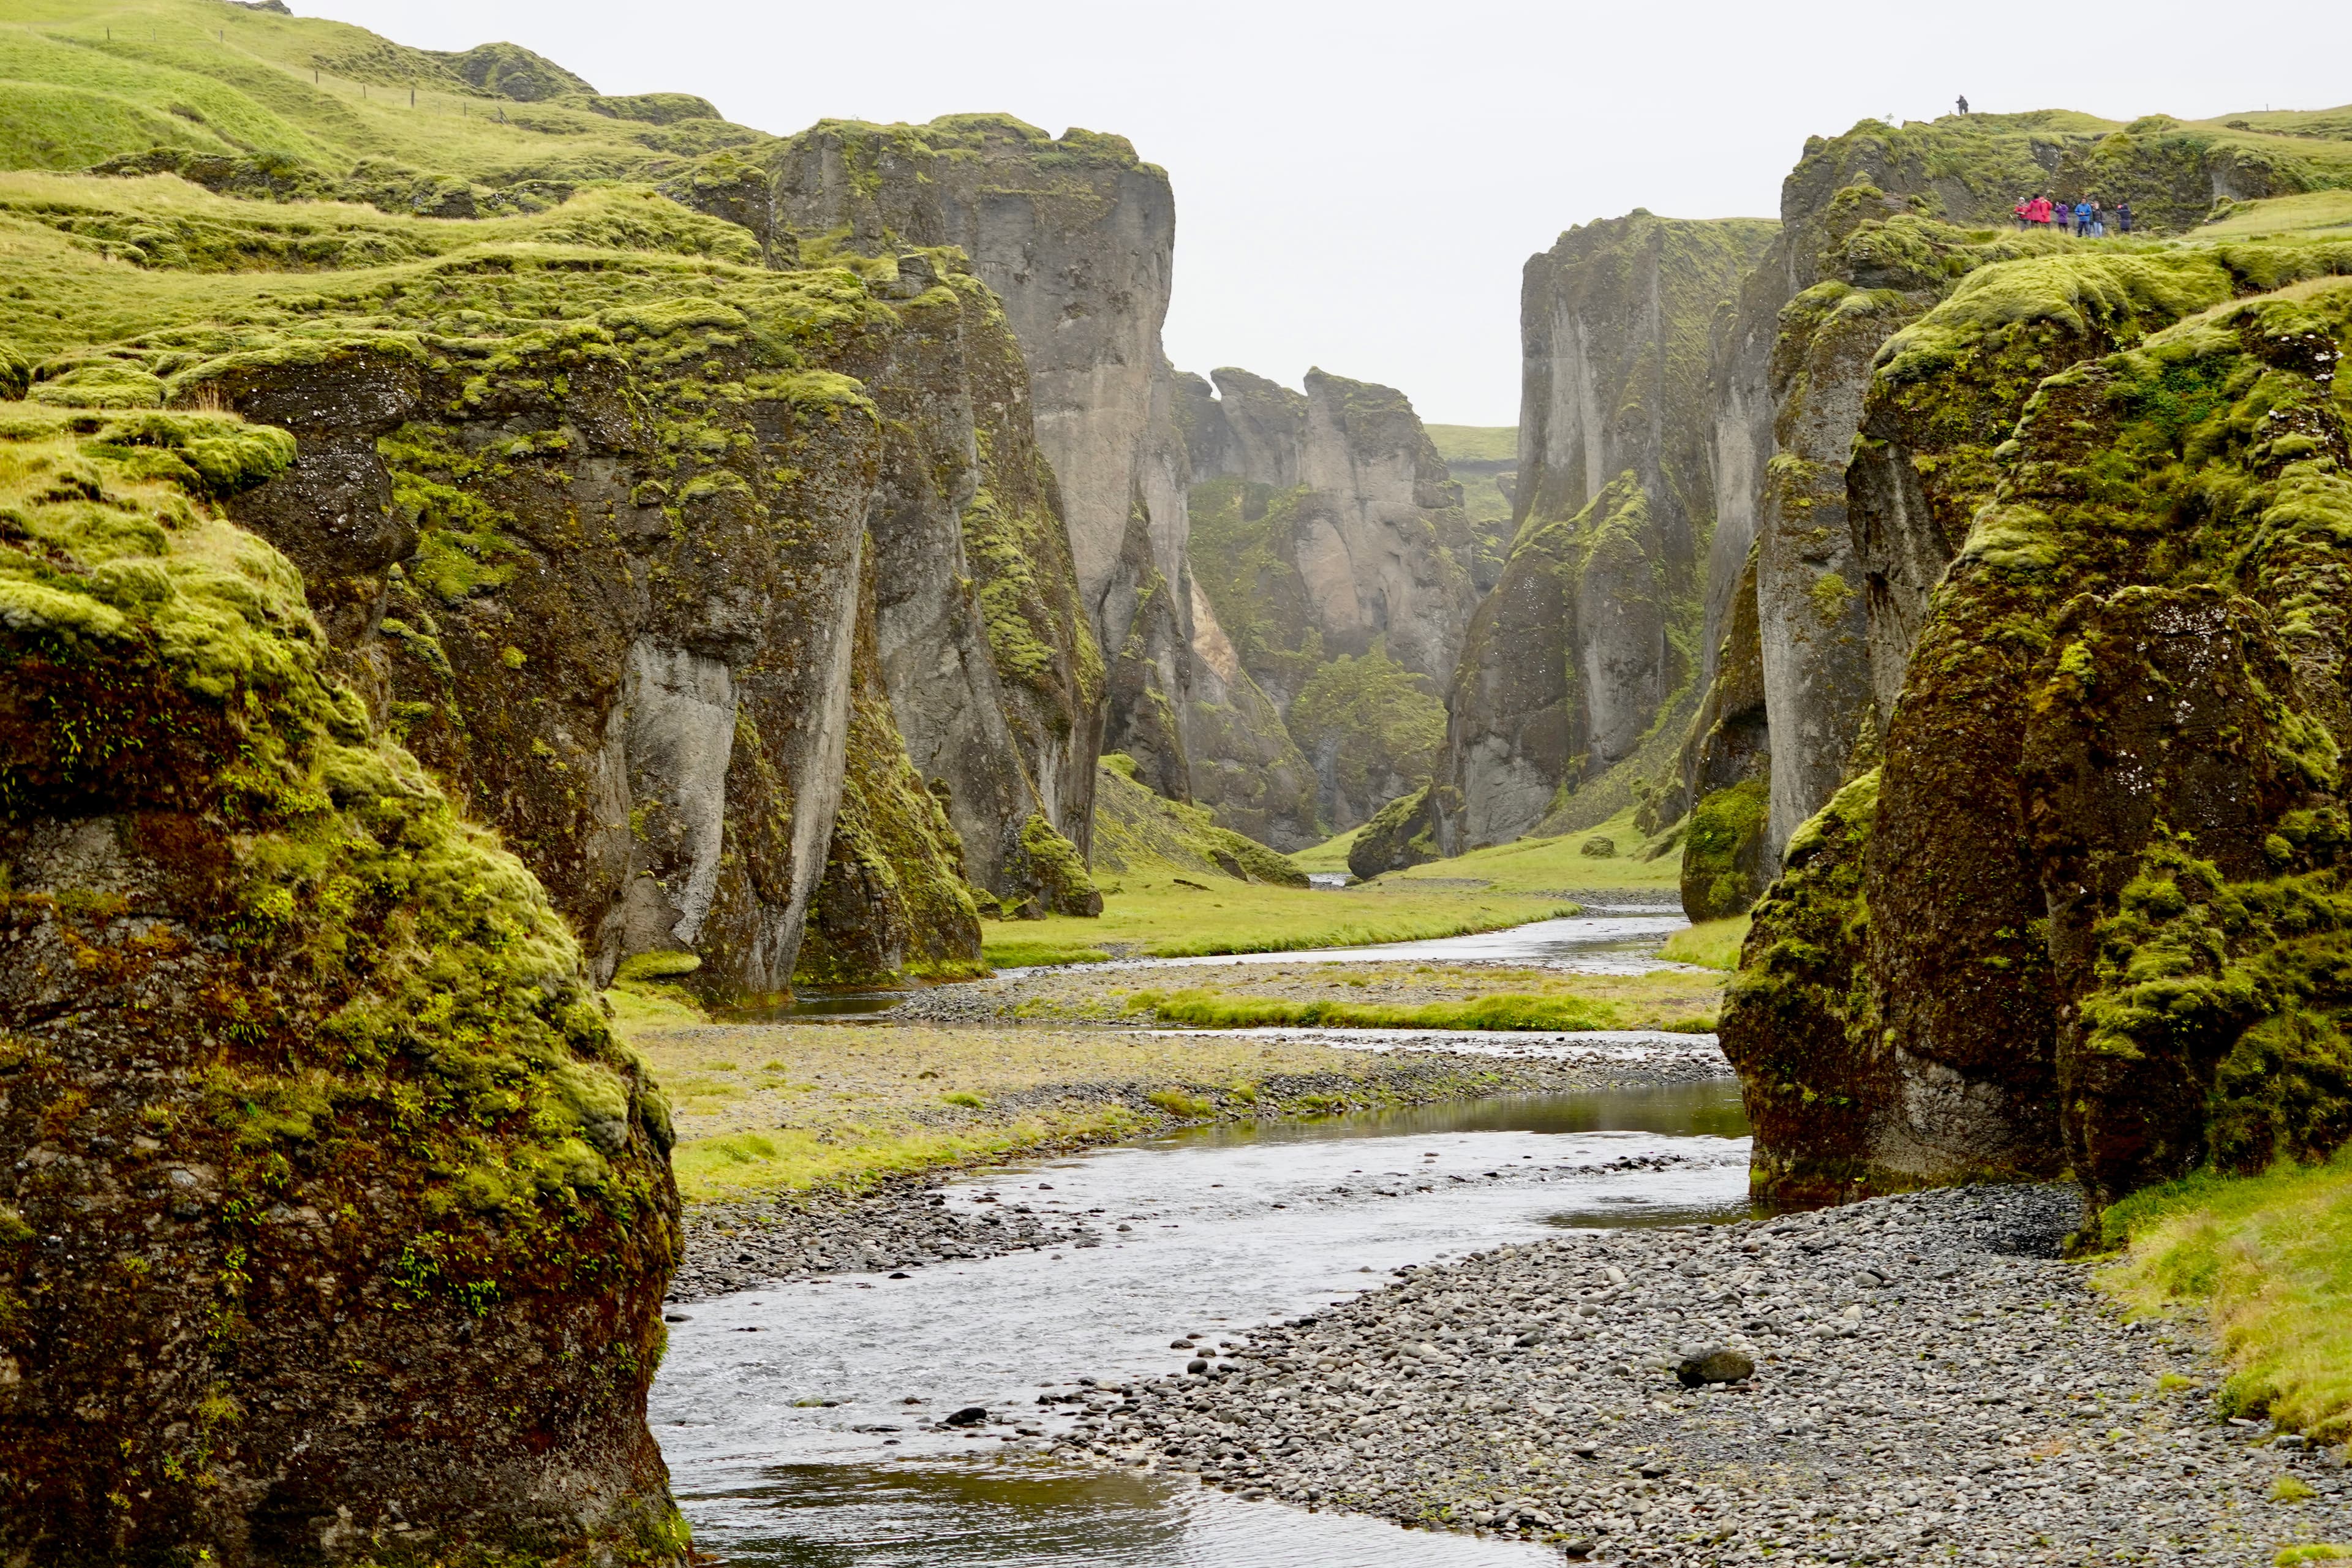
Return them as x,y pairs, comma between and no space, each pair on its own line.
1588,646
1333,557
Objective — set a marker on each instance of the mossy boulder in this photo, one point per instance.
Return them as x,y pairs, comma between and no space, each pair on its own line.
2104,880
1402,834
337,1222
1727,855
1052,864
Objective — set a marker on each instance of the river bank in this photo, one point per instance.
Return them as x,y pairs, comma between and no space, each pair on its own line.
883,1219
1402,994
1930,1383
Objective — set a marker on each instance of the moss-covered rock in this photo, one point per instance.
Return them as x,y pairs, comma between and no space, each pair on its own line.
1371,728
893,903
339,1221
1798,1021
2103,878
1138,831
1569,663
1052,864
1074,235
1726,854
1402,833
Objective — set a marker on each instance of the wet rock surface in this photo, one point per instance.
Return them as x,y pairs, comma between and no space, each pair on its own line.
1931,1384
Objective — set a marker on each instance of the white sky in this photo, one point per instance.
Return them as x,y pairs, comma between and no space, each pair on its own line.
1357,184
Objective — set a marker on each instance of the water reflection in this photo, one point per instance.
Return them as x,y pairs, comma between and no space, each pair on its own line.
1043,1515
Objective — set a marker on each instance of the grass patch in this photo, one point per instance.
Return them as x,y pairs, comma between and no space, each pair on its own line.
1169,917
1711,944
798,1159
2268,1259
793,1107
2316,1551
1013,952
1666,1002
1331,855
1638,864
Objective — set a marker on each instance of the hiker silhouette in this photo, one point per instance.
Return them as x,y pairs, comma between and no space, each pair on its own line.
1964,104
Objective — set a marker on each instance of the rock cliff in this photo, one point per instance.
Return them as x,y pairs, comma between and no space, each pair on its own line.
2101,863
1075,234
1592,632
1333,559
598,557
333,1223
1877,227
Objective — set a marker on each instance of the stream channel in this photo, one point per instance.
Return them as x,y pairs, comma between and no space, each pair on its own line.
800,1419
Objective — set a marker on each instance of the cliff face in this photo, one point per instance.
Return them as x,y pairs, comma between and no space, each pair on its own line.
333,1223
1074,236
2101,868
1332,555
1593,630
597,556
1876,232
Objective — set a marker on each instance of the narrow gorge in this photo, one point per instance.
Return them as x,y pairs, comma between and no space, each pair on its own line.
610,718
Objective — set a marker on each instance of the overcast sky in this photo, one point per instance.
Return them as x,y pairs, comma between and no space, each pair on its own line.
1358,184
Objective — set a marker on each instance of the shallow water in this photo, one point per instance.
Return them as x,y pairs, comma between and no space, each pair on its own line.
1619,944
1229,1227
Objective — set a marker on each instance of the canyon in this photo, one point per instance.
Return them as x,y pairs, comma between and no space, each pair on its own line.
452,566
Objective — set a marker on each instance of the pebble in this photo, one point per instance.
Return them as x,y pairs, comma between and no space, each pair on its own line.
1978,1403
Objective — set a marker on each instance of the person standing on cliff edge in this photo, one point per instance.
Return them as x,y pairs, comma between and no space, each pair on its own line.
1964,105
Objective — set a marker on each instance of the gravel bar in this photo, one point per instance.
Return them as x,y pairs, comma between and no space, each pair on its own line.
903,1222
1930,1384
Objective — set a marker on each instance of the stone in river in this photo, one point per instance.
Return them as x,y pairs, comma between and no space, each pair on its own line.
970,1416
1721,1365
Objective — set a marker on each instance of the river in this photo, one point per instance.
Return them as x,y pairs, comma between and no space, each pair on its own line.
784,1411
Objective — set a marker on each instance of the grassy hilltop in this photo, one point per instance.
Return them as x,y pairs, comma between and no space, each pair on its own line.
86,82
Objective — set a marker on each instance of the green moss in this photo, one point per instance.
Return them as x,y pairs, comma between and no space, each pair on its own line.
1137,832
1725,861
1799,1022
1373,718
164,659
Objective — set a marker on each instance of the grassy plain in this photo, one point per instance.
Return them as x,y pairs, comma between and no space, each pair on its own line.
2268,1259
1711,944
1560,864
1468,997
1164,916
787,1108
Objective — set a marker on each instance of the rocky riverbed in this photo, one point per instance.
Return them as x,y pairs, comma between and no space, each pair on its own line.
904,1222
1930,1383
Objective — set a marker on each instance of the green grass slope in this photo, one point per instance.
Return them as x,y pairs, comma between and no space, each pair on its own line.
82,82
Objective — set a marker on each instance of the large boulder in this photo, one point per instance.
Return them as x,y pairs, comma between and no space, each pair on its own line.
2104,876
334,1223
